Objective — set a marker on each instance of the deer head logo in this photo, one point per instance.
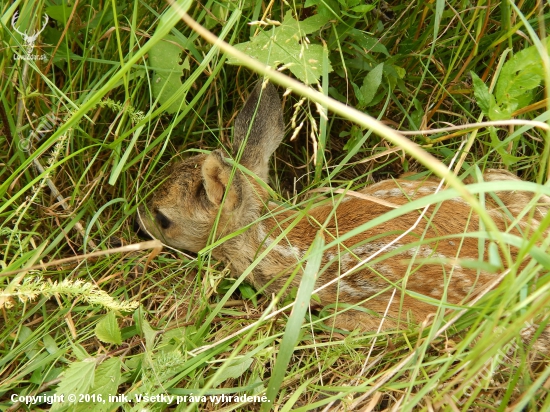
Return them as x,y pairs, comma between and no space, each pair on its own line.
29,39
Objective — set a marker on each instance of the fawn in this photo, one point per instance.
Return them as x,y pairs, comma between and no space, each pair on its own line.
424,265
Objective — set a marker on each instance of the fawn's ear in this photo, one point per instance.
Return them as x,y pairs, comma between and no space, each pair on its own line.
260,128
216,173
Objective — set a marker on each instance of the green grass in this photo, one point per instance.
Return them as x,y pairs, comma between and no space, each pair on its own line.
106,136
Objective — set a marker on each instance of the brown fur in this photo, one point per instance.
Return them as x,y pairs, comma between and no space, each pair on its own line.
426,266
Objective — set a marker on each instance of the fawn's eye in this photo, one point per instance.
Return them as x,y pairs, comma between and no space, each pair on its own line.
162,220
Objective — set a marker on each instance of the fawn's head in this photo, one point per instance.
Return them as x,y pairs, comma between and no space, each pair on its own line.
182,211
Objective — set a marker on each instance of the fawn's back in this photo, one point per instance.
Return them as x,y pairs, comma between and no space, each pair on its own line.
205,198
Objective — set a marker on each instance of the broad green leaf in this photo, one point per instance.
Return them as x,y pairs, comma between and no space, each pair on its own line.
285,45
518,79
25,335
524,60
359,95
496,144
316,298
218,15
106,16
219,11
401,72
524,80
497,112
521,74
363,9
107,329
335,94
325,8
234,370
185,65
417,114
309,25
79,351
393,75
49,344
481,93
369,43
371,83
59,13
107,377
355,136
166,61
77,378
106,382
149,333
248,292
172,337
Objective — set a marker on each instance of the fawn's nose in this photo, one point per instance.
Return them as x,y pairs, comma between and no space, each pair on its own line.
142,234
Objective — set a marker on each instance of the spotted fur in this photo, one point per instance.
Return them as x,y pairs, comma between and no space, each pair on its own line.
427,266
